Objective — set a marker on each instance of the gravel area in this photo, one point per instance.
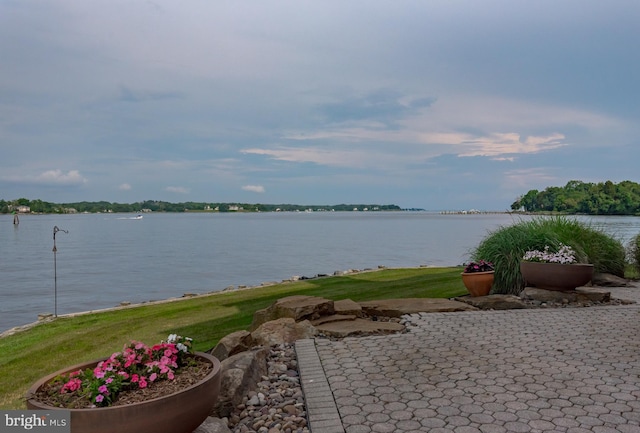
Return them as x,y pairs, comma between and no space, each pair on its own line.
277,405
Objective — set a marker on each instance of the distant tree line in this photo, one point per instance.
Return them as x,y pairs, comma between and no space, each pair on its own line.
40,206
576,197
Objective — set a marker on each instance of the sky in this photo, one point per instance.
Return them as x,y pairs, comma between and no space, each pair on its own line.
433,104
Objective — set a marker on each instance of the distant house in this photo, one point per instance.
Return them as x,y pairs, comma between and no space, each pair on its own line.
23,209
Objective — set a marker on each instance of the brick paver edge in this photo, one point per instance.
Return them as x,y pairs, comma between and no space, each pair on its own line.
322,412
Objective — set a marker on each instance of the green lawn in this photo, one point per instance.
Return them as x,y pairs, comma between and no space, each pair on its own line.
31,354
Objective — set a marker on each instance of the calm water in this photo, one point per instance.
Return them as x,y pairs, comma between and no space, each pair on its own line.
109,258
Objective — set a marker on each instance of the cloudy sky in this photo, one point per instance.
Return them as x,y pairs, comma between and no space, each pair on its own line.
432,103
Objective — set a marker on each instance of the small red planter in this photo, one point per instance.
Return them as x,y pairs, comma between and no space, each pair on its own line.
478,283
181,412
556,276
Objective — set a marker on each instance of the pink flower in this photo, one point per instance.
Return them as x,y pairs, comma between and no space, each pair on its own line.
153,377
134,378
99,398
103,389
71,386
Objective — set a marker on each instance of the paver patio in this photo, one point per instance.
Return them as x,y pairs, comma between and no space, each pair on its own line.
572,370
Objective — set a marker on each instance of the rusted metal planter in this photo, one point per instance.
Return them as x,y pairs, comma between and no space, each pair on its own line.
556,276
180,412
478,283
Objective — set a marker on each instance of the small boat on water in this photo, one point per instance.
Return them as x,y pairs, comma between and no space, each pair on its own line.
137,217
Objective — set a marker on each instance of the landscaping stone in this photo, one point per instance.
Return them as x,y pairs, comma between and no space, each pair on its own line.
233,343
581,294
333,318
285,330
609,280
494,302
593,294
400,307
349,328
347,306
238,373
277,404
213,425
298,307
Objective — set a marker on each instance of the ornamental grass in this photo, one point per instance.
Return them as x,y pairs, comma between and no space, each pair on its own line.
506,246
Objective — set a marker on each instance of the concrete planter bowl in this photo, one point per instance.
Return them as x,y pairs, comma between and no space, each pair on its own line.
180,412
556,276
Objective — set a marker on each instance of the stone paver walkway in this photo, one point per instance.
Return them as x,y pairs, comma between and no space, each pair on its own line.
574,370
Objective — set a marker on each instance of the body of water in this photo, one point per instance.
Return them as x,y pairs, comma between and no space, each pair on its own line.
105,259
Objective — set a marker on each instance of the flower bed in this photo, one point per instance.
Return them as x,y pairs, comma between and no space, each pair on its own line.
137,373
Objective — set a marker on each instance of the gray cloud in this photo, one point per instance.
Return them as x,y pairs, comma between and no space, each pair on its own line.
293,96
384,105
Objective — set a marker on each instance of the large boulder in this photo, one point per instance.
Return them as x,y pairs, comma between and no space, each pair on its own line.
284,330
239,374
233,343
297,307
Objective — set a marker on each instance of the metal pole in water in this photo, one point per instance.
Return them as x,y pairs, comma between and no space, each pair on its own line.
55,270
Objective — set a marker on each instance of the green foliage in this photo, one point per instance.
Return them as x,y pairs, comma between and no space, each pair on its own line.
505,247
605,198
634,252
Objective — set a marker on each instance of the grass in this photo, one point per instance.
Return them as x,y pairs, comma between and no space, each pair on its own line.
47,347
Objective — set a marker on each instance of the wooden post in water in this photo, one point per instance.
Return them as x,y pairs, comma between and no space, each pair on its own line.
16,220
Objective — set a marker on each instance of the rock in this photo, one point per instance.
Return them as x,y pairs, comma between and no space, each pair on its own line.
239,373
348,328
581,294
298,307
400,307
333,318
347,306
609,280
233,343
542,295
277,404
213,425
593,294
494,302
285,330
